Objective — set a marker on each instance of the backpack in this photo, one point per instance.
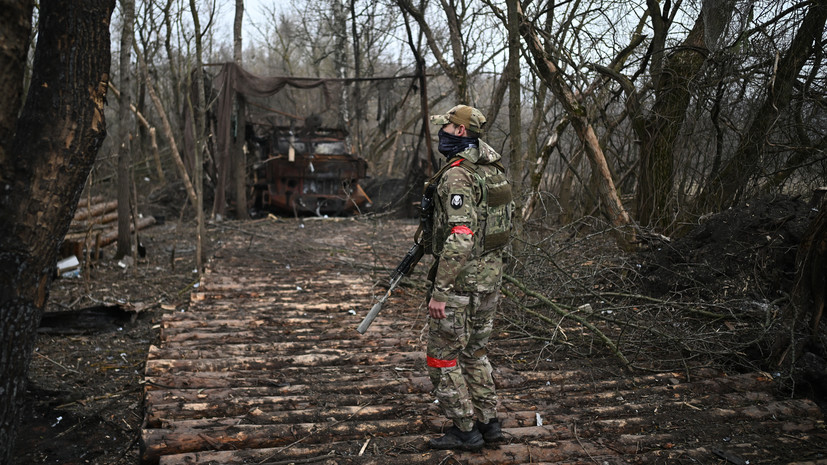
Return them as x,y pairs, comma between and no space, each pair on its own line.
496,207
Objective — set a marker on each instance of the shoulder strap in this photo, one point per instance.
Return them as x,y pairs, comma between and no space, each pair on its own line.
455,161
428,194
472,166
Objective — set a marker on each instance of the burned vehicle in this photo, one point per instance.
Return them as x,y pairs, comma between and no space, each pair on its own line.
305,170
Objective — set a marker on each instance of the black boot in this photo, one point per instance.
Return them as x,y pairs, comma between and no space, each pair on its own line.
459,440
491,431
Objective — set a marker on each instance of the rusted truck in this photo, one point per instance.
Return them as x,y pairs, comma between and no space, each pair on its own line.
306,170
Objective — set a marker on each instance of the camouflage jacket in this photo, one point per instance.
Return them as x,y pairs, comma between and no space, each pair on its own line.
462,268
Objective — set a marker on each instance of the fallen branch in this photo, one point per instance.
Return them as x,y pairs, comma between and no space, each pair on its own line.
688,305
542,317
57,363
560,311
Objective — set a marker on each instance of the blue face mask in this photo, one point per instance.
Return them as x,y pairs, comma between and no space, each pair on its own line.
450,145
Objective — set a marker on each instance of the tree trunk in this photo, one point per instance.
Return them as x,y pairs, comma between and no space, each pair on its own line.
340,59
419,169
240,158
538,171
199,129
44,171
659,131
359,105
15,28
124,126
516,153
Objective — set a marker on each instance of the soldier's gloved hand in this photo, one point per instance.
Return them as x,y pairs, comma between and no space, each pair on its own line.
436,309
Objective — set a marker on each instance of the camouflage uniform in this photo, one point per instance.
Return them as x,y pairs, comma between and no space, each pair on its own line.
469,284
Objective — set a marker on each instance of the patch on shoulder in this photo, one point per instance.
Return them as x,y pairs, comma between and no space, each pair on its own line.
456,201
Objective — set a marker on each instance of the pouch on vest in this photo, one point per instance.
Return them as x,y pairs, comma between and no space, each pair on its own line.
497,209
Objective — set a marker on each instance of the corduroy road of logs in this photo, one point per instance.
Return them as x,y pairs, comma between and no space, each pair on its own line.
265,366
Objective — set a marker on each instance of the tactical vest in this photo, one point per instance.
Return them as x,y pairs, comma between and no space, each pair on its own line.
494,210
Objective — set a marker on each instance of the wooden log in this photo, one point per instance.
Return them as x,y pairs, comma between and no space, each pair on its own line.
259,307
341,452
85,201
368,386
270,348
159,366
95,210
354,283
607,390
677,434
309,415
314,382
405,450
163,442
285,285
191,340
294,307
301,409
112,236
105,238
251,322
260,333
231,408
285,376
329,457
234,407
97,222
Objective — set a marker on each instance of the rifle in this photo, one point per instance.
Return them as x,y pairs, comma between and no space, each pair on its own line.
405,267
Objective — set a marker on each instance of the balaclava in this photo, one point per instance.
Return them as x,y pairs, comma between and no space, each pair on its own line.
450,145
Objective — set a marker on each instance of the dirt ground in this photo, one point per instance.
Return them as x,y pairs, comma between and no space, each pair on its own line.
84,399
84,403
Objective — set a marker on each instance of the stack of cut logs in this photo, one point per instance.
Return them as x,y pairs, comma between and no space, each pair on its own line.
94,226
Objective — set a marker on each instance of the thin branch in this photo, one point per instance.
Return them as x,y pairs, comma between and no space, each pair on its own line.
560,311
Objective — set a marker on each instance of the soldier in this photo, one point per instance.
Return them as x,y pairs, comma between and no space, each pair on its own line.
471,222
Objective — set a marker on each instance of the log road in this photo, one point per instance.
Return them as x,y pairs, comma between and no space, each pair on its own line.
265,366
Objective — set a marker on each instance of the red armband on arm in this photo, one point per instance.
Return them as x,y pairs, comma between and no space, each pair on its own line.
462,230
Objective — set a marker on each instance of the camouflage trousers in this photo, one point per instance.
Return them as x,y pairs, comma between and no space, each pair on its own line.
458,362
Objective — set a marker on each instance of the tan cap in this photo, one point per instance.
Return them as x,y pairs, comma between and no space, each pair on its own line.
467,116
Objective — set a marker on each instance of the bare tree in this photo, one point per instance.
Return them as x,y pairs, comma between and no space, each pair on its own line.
124,129
727,186
659,129
198,109
240,157
166,126
457,69
551,76
662,128
512,76
43,168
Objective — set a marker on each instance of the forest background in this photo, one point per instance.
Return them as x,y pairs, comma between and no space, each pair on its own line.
643,117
